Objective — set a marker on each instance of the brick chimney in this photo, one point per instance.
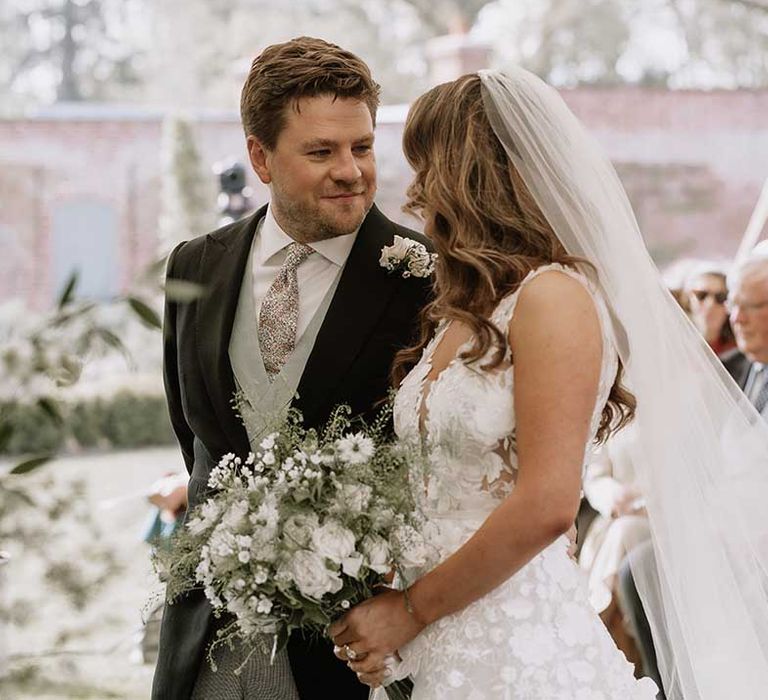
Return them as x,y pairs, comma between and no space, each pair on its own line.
453,55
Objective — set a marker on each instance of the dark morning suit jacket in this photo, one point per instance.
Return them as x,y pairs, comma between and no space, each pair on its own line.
372,315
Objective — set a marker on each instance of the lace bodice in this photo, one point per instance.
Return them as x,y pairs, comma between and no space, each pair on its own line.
466,417
535,635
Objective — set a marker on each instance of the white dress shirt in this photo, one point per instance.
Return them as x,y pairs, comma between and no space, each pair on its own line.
315,275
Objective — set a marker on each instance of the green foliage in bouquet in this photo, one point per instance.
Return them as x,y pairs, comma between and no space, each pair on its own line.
294,535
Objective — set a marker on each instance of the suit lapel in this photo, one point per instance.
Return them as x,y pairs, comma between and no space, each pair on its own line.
361,297
743,377
221,269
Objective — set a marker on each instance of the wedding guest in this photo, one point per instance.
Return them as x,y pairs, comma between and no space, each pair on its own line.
706,291
748,307
621,523
747,304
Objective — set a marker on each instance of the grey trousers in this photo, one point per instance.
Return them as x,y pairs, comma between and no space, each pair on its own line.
258,679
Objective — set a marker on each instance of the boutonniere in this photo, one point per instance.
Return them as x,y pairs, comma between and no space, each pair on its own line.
409,257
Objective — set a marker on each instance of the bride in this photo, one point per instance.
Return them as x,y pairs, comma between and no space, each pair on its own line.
549,331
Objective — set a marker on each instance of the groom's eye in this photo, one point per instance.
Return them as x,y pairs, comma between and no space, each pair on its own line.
320,153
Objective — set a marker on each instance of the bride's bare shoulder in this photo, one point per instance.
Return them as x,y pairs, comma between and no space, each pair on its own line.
555,303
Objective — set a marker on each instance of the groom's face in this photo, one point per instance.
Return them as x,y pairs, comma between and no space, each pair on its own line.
322,170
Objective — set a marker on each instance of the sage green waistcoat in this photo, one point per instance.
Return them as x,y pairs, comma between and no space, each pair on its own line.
262,403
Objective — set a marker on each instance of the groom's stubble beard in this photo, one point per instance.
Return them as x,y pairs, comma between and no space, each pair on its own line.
306,223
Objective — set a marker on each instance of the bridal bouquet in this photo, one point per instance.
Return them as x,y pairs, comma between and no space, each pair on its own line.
296,533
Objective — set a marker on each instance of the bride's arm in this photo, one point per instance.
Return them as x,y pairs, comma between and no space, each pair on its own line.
556,343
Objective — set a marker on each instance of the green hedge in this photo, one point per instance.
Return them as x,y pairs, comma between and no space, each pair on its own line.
123,420
33,430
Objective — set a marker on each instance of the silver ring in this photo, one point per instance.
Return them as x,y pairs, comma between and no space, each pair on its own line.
351,653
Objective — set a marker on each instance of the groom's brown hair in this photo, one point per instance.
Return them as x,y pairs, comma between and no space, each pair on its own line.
303,67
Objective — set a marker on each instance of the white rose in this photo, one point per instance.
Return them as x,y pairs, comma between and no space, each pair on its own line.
298,529
264,544
333,541
382,517
400,247
376,551
312,577
351,565
354,497
392,255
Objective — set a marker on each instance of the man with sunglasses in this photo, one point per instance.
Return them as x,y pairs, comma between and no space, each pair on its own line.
706,293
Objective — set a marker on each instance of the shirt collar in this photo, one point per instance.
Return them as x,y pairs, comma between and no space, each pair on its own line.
274,239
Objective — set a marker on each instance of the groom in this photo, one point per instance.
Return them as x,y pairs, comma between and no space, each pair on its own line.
296,304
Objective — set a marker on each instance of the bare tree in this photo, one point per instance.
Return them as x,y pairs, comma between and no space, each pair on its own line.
448,16
73,46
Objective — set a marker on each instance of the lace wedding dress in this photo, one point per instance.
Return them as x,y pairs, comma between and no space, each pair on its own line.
535,636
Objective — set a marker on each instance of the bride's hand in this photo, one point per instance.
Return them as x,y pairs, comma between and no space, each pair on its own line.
373,630
373,678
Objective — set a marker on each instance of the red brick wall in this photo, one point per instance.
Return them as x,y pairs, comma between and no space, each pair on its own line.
693,164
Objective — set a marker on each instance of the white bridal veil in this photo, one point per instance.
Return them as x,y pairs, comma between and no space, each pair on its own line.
702,451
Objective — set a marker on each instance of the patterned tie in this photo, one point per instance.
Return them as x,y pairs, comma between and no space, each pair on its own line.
280,312
761,399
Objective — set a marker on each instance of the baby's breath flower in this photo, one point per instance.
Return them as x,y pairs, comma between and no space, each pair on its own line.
268,442
260,575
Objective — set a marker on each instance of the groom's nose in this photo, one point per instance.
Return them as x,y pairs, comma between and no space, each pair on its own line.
345,167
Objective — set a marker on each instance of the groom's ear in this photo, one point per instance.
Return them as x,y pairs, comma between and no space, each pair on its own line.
259,156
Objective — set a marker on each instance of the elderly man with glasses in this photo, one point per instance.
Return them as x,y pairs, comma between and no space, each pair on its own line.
747,305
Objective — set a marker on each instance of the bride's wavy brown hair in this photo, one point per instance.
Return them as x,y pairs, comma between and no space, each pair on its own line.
486,227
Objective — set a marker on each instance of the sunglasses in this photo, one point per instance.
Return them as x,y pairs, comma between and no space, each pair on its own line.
702,294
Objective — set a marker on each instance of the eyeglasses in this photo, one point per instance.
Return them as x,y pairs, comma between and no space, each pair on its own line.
745,307
719,297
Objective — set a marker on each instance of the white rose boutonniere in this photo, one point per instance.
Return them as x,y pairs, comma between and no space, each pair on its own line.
409,257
